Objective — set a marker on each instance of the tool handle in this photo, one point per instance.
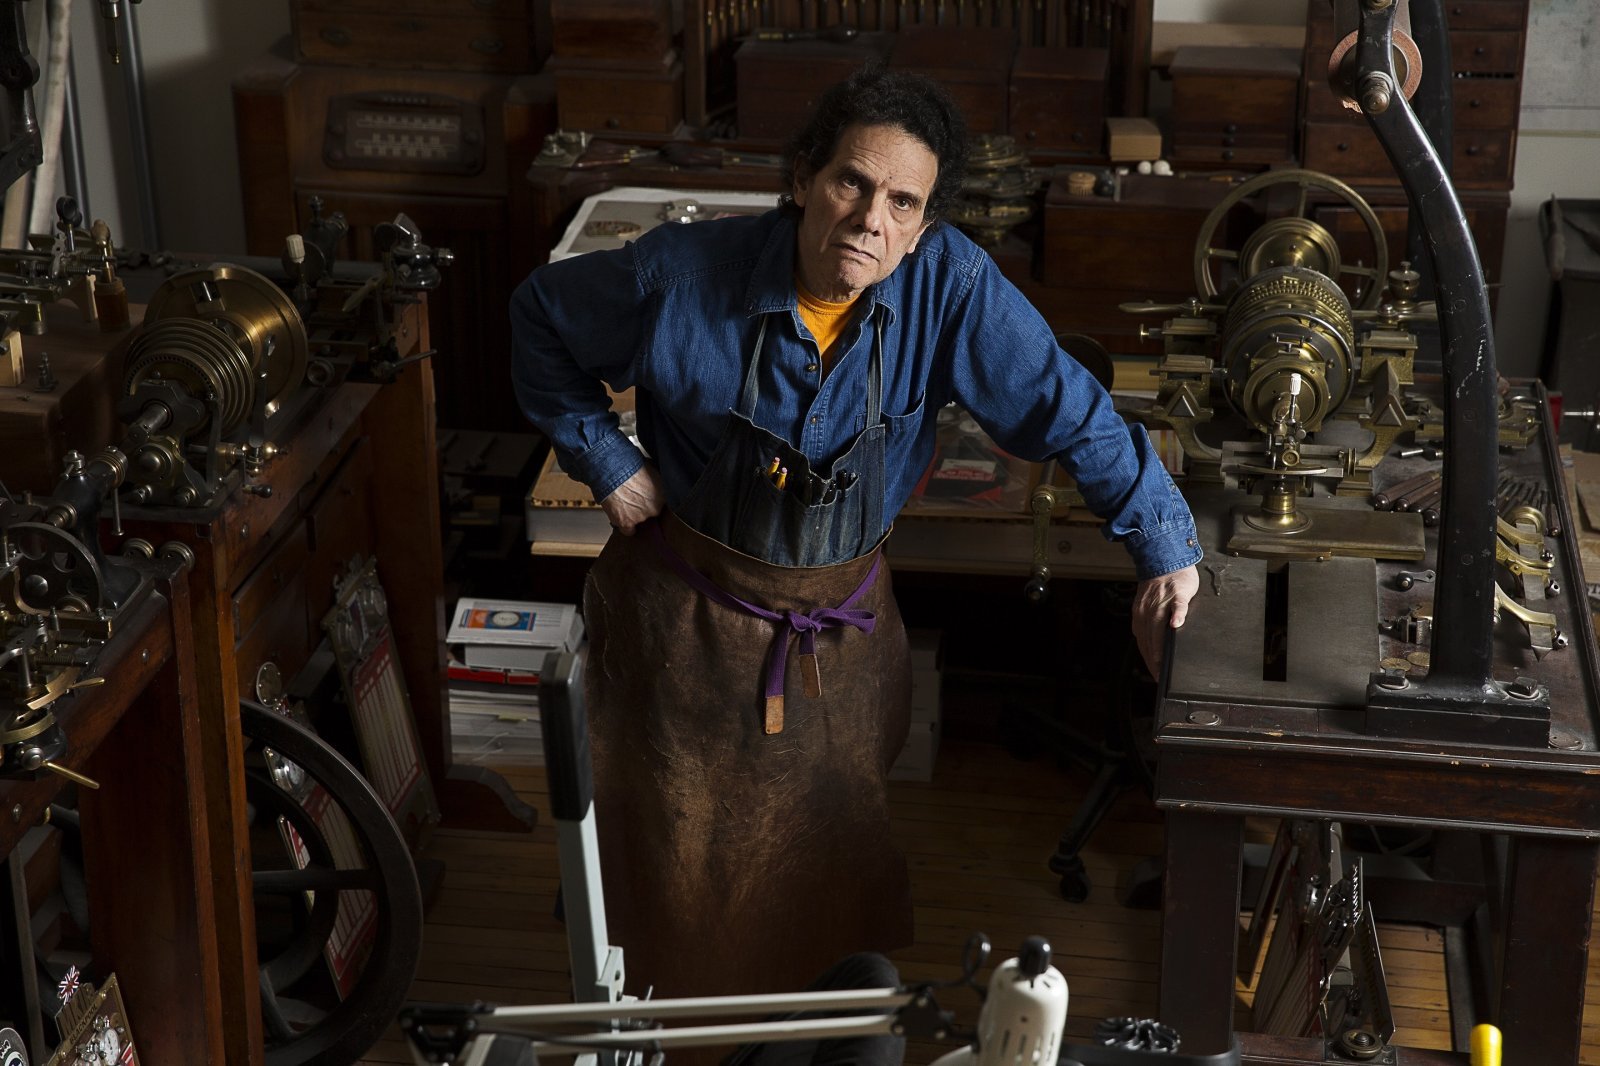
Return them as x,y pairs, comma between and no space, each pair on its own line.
1485,1045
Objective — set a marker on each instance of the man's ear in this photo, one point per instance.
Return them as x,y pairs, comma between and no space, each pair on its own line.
926,226
802,180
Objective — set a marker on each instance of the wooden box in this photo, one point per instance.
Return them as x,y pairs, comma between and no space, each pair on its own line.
475,37
779,81
973,64
639,31
1132,139
601,96
1058,99
1234,106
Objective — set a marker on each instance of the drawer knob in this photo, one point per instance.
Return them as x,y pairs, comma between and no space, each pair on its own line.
335,35
1343,146
1077,136
1474,102
1480,50
1227,154
489,46
1232,127
1473,149
1458,10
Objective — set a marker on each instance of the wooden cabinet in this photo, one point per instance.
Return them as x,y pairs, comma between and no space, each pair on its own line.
1058,99
285,112
490,35
1234,107
1486,50
357,476
148,860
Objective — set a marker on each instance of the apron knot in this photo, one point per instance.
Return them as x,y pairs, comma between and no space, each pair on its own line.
787,623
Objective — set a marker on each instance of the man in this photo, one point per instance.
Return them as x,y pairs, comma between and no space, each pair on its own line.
748,680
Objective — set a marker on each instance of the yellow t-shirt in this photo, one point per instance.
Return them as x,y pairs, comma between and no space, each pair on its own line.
825,320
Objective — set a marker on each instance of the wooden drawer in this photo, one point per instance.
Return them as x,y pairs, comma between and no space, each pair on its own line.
1486,52
428,42
1094,246
270,579
1479,103
1486,14
1350,151
590,97
974,65
1227,90
1486,103
1058,99
636,30
779,81
339,527
439,8
1232,150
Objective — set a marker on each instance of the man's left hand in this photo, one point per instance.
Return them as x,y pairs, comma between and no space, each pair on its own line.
1161,603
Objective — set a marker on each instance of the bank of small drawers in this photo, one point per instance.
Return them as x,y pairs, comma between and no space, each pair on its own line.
1486,52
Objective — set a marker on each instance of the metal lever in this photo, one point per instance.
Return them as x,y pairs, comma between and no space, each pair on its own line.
1043,505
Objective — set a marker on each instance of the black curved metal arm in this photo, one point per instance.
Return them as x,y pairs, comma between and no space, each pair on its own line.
1462,648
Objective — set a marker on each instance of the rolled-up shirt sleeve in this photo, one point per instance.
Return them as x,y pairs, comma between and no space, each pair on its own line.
577,326
1038,403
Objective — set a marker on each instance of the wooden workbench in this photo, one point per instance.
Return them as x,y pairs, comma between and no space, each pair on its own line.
1228,748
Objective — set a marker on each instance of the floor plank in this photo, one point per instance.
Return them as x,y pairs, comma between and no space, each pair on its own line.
976,840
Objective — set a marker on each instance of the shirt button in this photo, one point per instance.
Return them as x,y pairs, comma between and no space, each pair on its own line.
815,419
811,368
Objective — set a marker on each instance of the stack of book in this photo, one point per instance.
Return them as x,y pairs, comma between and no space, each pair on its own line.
497,648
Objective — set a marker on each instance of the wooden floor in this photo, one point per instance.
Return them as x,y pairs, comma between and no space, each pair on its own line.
976,839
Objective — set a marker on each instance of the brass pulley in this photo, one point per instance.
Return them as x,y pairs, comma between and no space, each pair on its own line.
1295,239
250,345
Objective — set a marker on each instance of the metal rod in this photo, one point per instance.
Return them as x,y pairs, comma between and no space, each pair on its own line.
1463,629
139,126
72,171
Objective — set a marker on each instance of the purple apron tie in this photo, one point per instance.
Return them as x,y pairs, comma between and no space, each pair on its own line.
805,623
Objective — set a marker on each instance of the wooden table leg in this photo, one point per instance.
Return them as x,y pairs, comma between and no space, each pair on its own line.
1200,928
1545,947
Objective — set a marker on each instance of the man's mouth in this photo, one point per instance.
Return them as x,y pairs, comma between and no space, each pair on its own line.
853,250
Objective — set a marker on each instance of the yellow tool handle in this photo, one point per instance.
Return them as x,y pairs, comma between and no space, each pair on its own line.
1485,1045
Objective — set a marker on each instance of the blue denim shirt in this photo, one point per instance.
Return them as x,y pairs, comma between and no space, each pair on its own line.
674,316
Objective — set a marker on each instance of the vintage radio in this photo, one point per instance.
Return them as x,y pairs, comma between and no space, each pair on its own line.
450,149
492,35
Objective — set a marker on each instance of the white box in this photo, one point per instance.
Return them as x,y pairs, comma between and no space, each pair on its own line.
925,698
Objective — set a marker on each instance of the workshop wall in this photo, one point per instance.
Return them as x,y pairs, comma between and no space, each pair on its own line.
193,47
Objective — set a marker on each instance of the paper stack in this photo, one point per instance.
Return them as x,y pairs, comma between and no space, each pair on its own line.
497,648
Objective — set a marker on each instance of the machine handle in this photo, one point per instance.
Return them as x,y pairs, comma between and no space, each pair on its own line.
564,721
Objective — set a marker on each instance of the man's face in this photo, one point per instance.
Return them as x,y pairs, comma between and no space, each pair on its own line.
863,211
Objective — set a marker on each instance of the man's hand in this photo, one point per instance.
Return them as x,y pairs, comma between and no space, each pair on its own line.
641,498
1161,603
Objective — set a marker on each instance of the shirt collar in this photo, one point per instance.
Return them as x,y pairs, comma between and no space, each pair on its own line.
772,282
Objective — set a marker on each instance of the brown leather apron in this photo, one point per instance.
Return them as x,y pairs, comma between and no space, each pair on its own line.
735,861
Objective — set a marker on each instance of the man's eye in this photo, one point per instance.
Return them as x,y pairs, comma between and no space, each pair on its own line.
903,203
849,181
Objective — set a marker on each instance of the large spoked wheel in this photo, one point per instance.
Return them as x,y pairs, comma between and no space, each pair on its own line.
355,856
1294,239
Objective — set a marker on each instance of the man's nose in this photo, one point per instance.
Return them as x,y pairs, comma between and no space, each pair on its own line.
869,214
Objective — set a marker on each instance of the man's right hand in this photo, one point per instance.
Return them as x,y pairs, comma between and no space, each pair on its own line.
636,500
